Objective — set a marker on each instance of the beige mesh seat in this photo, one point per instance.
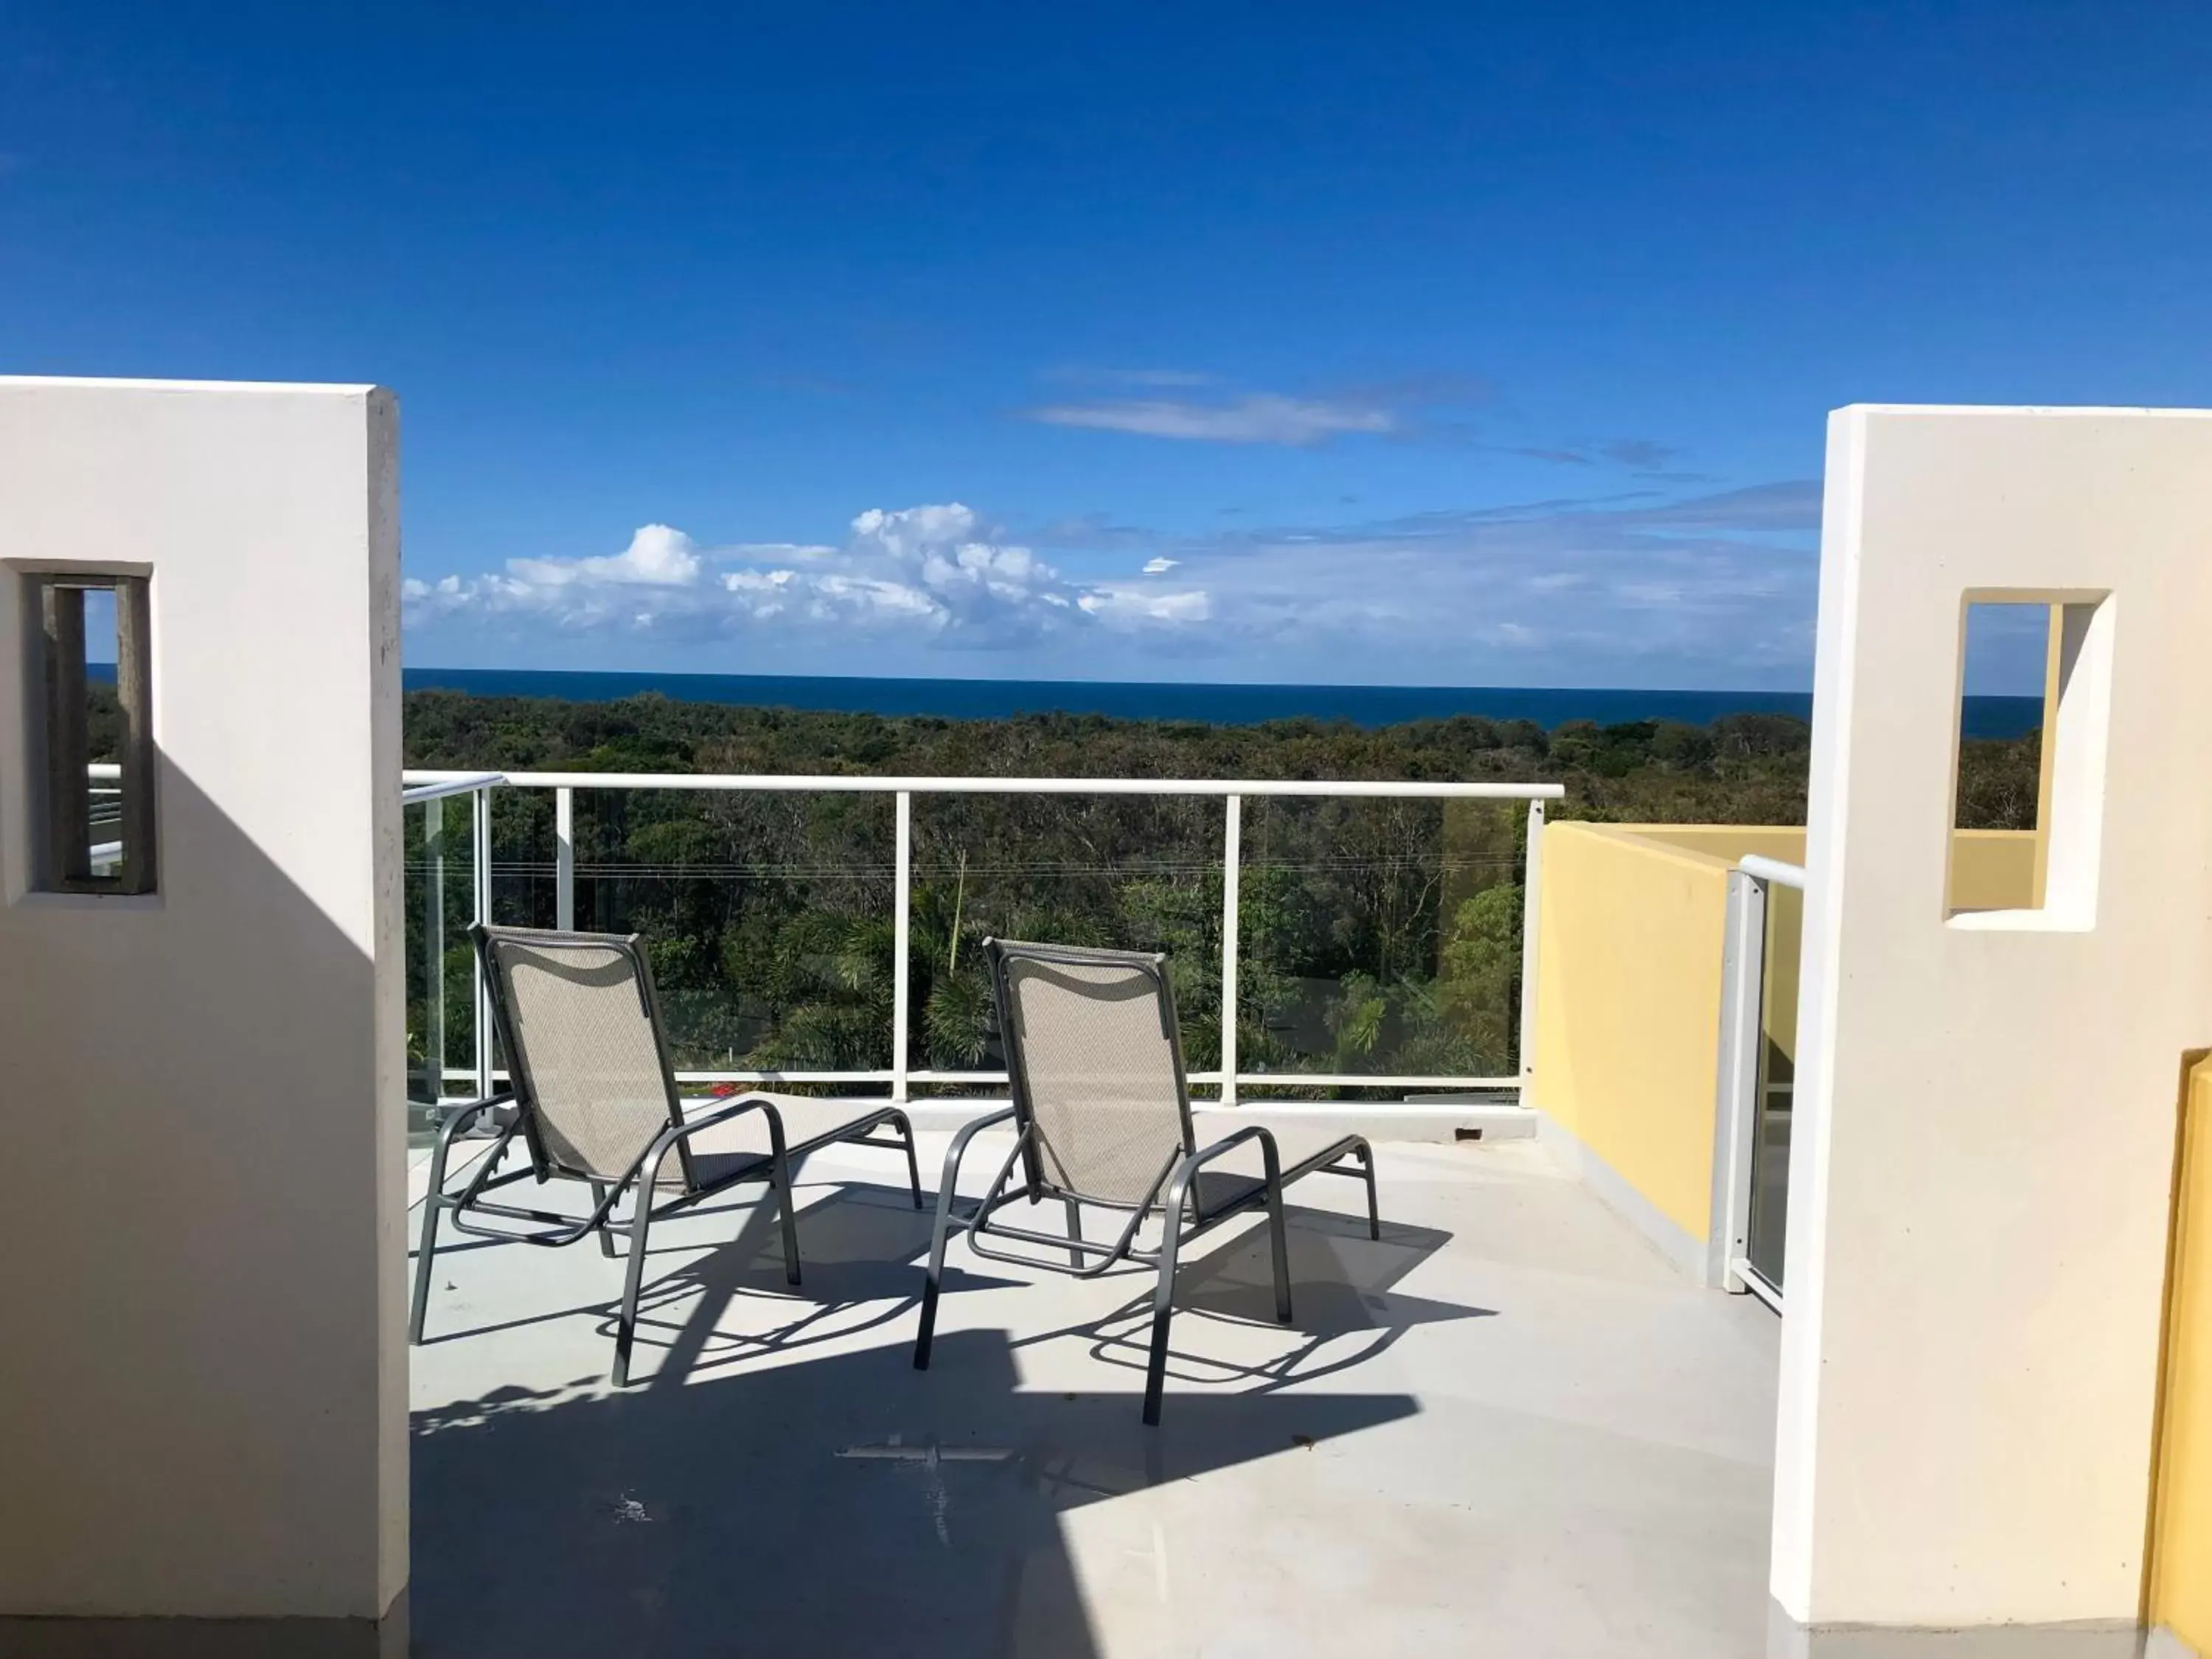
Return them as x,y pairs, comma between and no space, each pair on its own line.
593,1100
1102,1111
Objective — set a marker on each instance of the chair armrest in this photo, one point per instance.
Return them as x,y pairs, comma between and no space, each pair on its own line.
649,1164
441,1150
1270,1159
958,1149
968,1130
724,1111
461,1114
1229,1142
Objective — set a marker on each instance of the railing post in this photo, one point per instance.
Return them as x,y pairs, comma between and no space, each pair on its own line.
1232,860
1737,1109
901,919
1532,883
564,858
480,825
433,947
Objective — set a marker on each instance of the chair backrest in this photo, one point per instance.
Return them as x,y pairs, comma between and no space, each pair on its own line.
577,1016
1095,1065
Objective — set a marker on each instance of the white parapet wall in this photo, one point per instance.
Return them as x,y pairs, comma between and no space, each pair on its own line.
202,1404
1986,1127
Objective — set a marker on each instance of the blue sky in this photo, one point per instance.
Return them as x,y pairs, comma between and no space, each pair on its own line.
1456,343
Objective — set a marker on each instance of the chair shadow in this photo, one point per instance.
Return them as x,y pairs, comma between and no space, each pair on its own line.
832,1505
859,1248
1342,1298
860,1244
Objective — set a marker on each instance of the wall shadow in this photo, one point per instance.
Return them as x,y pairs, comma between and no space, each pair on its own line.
835,1505
774,1494
221,1323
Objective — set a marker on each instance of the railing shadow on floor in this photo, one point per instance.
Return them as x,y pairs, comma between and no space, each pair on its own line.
861,1247
861,1243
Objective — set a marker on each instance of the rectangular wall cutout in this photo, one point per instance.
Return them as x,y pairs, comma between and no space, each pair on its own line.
2027,811
91,744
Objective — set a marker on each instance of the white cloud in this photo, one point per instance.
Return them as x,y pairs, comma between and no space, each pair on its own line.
657,555
1258,417
1135,606
1641,589
937,574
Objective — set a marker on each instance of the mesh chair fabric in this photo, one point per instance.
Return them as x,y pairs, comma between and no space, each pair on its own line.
1103,1091
587,1050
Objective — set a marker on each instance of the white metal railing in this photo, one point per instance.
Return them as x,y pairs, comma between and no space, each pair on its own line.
1773,871
463,783
106,802
432,788
1746,1095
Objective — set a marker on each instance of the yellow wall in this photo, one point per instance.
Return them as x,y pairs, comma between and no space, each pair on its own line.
1727,842
1628,983
1785,910
1628,997
2181,1533
1993,869
1990,869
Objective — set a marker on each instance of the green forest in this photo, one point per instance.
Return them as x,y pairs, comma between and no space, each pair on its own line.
1374,936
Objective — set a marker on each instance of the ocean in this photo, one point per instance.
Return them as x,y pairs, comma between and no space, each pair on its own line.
1226,705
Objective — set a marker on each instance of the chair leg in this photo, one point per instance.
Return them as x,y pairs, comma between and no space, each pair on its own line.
432,1203
1373,1210
913,1163
789,1205
1279,1247
1156,1366
627,1329
932,1276
1074,1231
606,1227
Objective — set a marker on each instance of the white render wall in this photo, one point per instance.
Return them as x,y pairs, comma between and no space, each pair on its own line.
1985,1104
203,1397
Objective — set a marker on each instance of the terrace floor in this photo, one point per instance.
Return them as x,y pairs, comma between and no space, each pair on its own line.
1509,1428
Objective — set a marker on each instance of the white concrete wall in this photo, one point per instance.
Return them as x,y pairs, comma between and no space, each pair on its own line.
203,1397
1979,1199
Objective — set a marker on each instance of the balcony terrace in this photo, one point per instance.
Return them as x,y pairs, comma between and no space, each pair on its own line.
1509,1428
1508,1414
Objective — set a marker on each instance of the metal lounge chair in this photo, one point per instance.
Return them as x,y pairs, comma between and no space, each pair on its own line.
1103,1114
593,1099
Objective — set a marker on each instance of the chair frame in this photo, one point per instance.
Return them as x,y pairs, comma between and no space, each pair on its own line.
1171,1193
516,1113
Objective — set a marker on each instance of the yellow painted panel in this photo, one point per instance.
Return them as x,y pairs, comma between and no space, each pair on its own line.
1785,912
2181,1528
1990,869
1728,842
1628,983
1628,997
1993,869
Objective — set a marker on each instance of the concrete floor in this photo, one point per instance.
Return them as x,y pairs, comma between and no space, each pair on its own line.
1508,1429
